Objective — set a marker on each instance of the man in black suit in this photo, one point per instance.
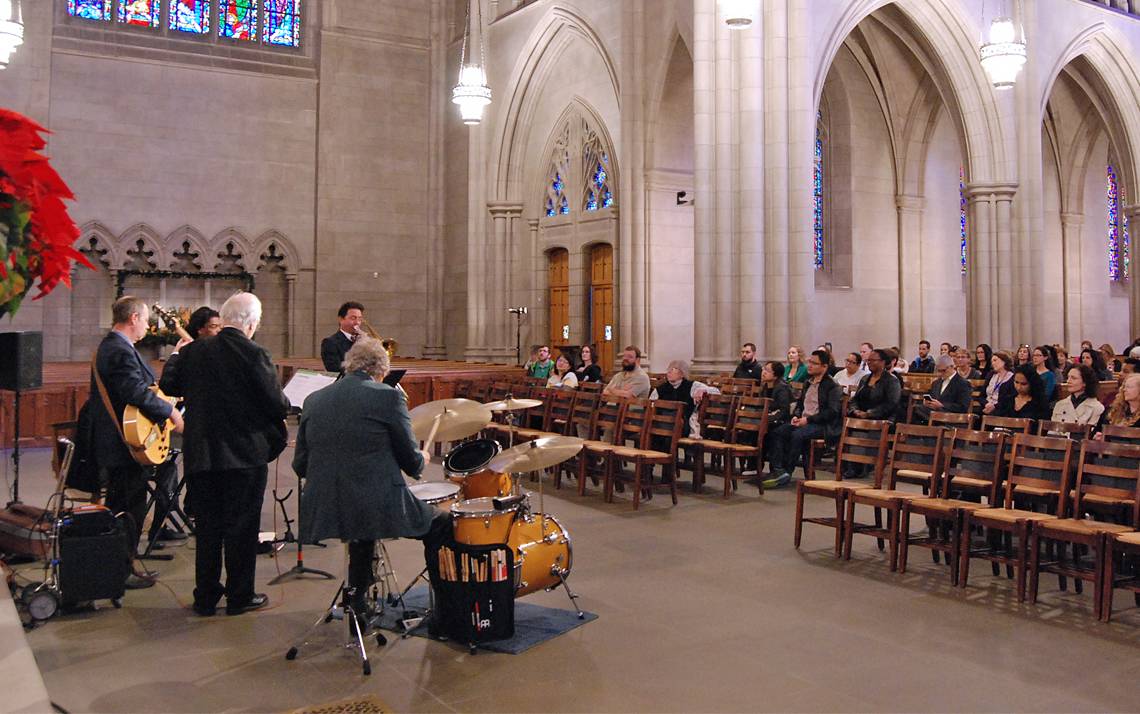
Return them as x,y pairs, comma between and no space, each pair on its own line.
127,379
336,346
949,393
235,427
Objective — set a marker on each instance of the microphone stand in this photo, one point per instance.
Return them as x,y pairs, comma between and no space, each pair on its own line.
299,570
518,312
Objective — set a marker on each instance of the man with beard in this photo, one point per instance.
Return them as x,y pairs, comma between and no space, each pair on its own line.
631,381
748,368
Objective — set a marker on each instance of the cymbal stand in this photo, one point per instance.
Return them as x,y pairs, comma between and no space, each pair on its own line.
298,570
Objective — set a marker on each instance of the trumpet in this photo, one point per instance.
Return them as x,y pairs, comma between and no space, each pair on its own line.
389,343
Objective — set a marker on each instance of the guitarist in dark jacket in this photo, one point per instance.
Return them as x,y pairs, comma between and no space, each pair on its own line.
236,426
127,379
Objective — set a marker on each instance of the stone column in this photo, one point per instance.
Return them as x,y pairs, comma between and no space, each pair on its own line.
911,328
478,264
978,294
992,304
1071,229
1132,214
504,218
631,277
291,309
1009,300
434,339
704,162
778,252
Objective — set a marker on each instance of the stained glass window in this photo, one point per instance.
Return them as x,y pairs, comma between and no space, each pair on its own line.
555,199
282,23
190,16
145,13
90,9
962,216
238,19
817,197
1118,239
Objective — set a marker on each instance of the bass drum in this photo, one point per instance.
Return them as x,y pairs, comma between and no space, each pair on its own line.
542,552
466,465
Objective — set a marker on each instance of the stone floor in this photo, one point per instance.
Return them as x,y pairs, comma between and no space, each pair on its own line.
705,606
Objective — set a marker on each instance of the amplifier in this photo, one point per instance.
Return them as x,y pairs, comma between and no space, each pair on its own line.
25,530
94,557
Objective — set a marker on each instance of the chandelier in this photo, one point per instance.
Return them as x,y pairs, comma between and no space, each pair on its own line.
472,92
738,14
1004,55
11,30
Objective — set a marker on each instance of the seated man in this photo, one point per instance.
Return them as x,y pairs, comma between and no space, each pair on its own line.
852,372
355,439
540,365
631,381
949,393
924,363
816,415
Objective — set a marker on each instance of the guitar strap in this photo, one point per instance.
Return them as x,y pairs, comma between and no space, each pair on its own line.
107,400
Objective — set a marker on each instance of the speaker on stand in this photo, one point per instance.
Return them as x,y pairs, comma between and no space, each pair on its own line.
21,369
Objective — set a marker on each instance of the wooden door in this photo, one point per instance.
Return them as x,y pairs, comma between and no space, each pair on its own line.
558,279
601,308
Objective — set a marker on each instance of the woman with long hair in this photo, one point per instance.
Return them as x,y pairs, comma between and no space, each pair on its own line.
588,371
1125,409
983,360
1110,360
1081,406
1095,361
562,377
796,369
1044,365
1028,398
1022,356
999,387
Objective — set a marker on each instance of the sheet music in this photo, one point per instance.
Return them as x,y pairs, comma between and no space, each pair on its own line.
304,382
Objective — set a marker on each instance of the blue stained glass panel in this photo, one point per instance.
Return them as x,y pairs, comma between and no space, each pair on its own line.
1118,238
238,19
607,199
190,16
591,201
549,207
145,13
600,176
282,23
817,200
90,9
565,207
962,215
557,184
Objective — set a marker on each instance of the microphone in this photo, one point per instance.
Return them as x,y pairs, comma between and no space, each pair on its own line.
517,310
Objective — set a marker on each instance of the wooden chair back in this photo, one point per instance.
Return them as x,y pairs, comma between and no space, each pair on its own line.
750,421
595,387
663,431
953,419
716,416
916,448
558,412
797,389
1109,471
1064,429
973,457
1121,434
478,390
582,415
863,441
1042,463
537,417
462,389
740,387
1011,425
498,390
607,416
977,395
631,429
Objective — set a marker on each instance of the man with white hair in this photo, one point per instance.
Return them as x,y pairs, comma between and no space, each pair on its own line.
235,426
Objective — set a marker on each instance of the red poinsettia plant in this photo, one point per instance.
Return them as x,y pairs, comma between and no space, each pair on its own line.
36,233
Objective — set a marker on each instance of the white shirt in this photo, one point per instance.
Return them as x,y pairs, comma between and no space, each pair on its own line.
843,379
570,381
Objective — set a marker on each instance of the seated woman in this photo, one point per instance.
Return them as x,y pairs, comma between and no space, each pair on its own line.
1095,360
999,385
1043,365
1022,356
877,396
962,364
795,370
984,355
1081,406
562,377
678,387
1027,401
588,371
1110,361
1125,409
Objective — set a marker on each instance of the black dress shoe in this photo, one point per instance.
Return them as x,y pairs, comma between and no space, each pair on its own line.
204,610
258,601
137,582
171,534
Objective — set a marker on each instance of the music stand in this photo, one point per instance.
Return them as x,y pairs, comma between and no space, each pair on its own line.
300,569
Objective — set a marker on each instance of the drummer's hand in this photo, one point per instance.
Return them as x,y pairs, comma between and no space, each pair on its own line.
426,455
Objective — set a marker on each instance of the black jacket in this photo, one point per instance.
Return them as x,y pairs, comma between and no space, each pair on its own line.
235,409
780,409
956,398
830,406
333,349
879,400
127,377
748,371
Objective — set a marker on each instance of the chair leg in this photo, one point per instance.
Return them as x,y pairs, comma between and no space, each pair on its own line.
879,524
839,503
1098,573
636,483
799,513
1022,529
964,566
954,557
673,473
1034,566
848,529
729,472
698,469
893,540
903,536
582,458
1106,586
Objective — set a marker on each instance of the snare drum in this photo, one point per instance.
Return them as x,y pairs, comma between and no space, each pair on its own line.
466,465
477,522
436,493
541,554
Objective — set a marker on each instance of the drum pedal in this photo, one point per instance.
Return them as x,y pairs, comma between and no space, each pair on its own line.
410,621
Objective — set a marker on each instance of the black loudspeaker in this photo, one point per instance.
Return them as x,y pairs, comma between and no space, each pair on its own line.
21,360
94,556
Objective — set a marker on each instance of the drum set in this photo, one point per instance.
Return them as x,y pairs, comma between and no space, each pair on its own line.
482,489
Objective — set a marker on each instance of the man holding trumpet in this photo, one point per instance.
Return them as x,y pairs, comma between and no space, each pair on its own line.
336,346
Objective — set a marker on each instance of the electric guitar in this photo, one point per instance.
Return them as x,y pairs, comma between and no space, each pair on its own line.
150,442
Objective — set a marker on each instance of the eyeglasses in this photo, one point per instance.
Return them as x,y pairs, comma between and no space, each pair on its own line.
852,361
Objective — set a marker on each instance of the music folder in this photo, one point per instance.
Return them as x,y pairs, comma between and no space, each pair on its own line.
304,382
393,378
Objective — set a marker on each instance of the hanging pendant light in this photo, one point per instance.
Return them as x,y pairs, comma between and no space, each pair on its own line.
1004,55
472,92
11,30
738,14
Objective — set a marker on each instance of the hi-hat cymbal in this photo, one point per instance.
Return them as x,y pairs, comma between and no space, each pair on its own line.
456,418
510,404
536,455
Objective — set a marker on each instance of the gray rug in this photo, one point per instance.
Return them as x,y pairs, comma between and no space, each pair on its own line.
534,624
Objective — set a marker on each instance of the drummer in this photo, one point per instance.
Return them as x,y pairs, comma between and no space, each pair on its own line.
355,439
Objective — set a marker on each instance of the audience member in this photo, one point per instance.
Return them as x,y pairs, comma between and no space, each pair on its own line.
1081,406
984,355
962,365
852,372
816,415
540,365
895,363
588,371
1043,365
950,392
1095,360
1028,398
677,387
878,394
796,370
864,350
1131,366
1110,361
1125,409
748,368
998,386
562,377
945,348
923,363
204,322
776,390
631,381
1021,356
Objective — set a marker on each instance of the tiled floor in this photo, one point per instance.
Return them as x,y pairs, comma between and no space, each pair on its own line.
705,606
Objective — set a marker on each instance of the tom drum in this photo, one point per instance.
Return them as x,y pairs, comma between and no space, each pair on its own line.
436,493
477,522
466,465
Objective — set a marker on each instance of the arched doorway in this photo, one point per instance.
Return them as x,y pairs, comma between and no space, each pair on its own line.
558,296
600,307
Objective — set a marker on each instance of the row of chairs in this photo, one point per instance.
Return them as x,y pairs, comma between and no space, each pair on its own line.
1035,504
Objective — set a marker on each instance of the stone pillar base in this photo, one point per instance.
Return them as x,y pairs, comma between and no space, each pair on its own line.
434,352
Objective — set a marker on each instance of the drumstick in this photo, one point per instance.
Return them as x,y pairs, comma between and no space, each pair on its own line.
434,428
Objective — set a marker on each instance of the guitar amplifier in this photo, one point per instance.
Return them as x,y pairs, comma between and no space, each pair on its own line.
25,530
94,557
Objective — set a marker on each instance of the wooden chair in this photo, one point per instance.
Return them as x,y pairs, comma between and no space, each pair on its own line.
916,449
594,459
1011,425
863,441
715,419
1038,464
953,420
659,434
1105,470
746,440
1064,429
595,387
819,449
972,457
580,424
1117,547
1121,434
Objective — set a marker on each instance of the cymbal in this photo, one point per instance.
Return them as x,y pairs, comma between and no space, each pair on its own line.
511,404
536,455
457,419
